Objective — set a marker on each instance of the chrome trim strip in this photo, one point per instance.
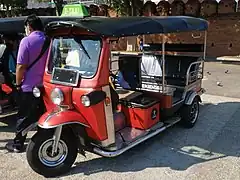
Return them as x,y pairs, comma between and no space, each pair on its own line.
103,153
109,119
178,102
75,122
54,113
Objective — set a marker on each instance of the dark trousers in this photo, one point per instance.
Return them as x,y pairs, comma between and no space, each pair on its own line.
30,109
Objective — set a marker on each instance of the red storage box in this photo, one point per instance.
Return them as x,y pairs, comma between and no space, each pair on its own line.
141,112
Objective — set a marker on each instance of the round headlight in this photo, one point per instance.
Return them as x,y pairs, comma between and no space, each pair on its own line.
57,96
36,92
85,101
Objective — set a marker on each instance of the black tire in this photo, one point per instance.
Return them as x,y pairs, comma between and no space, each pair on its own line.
42,139
190,113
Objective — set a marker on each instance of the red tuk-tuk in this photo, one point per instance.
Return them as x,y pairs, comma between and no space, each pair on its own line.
108,102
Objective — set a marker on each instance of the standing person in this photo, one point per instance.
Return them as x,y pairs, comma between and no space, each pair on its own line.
30,50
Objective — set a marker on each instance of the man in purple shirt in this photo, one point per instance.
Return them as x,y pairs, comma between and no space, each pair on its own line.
29,50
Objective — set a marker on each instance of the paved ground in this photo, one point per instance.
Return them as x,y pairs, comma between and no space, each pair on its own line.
209,151
215,72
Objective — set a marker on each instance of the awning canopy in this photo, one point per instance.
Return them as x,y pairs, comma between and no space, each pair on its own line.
7,24
134,25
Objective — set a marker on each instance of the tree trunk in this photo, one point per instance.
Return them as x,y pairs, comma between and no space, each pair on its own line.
127,7
59,6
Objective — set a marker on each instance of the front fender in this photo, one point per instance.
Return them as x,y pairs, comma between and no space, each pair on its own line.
61,117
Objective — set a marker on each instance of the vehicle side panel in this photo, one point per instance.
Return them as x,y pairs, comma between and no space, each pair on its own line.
94,115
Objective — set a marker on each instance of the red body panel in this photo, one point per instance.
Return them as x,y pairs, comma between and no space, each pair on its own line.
141,118
62,117
166,100
94,116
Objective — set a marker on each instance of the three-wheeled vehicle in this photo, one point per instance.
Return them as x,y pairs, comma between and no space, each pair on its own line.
108,102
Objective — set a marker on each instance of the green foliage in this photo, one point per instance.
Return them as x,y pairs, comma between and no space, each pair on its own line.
123,7
58,3
127,7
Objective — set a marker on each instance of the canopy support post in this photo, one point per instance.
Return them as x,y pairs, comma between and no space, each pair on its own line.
204,51
110,58
237,3
205,45
163,63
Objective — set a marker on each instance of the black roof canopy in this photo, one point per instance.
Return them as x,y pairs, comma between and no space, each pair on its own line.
16,24
118,26
136,25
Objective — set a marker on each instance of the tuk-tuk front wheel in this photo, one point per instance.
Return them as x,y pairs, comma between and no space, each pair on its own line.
41,159
190,113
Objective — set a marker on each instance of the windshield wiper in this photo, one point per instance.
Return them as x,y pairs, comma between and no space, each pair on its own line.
84,50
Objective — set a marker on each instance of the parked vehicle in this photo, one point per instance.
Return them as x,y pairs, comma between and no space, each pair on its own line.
94,105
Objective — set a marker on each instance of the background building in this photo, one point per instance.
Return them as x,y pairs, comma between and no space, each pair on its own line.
223,16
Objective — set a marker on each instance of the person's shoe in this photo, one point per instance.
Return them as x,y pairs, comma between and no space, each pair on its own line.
14,147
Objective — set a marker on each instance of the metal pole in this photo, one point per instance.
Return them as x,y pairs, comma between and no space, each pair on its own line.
163,63
205,46
205,52
236,10
56,138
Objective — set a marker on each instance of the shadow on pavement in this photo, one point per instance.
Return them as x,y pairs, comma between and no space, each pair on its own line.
8,124
178,148
216,135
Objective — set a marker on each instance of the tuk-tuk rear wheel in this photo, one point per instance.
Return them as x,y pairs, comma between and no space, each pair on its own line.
39,153
190,113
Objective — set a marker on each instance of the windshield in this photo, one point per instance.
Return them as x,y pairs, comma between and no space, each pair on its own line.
76,53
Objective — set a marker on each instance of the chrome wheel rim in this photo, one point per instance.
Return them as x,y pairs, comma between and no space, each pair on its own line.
45,153
194,112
